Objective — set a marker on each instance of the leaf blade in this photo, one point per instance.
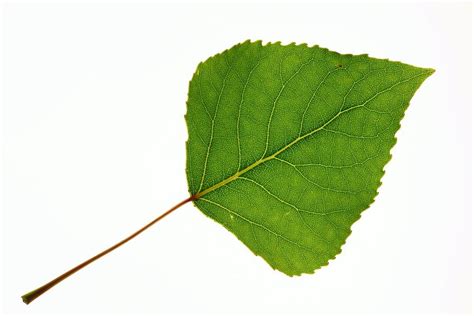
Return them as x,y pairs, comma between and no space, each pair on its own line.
273,105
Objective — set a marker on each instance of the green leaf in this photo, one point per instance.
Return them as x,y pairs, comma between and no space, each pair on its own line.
287,144
286,148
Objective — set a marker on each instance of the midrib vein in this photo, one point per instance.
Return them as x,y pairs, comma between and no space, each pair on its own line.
297,140
263,160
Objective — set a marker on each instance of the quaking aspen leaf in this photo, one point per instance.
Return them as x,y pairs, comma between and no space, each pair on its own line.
287,147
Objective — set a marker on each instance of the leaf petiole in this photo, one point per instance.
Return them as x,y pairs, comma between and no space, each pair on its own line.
31,296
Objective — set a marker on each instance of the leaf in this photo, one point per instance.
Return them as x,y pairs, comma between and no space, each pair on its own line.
286,148
287,144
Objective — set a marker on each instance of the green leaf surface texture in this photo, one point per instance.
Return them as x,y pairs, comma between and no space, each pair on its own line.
287,144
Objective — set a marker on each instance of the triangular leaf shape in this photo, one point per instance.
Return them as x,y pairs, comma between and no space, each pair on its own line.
286,148
287,144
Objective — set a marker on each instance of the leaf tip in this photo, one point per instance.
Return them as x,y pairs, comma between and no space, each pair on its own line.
430,71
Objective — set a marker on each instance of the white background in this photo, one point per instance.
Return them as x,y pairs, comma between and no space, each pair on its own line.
93,130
